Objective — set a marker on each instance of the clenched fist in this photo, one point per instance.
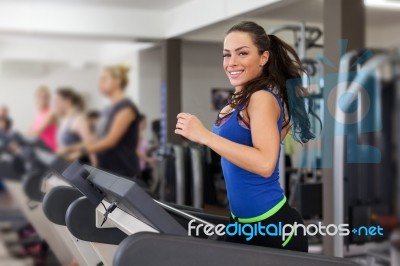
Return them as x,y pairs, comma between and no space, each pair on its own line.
190,127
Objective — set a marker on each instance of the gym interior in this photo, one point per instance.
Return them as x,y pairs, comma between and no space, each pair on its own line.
92,91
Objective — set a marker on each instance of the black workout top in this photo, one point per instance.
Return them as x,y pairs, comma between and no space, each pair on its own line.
121,159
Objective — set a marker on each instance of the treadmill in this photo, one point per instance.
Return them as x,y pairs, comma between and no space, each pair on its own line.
37,186
156,233
22,174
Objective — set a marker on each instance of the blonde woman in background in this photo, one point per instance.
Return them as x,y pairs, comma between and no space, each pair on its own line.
44,125
118,129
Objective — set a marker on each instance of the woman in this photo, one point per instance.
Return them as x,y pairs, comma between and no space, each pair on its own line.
93,117
44,124
143,148
249,130
118,128
5,125
73,126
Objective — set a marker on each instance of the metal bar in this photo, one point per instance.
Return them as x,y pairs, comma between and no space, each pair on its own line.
183,214
339,144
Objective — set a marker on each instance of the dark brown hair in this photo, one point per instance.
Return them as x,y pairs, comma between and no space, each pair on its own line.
73,97
283,66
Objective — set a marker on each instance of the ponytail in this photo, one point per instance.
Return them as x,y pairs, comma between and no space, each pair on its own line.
282,75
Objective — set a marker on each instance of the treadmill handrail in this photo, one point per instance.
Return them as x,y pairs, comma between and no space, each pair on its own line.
183,214
156,249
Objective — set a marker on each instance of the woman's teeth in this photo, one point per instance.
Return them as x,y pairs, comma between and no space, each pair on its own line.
235,74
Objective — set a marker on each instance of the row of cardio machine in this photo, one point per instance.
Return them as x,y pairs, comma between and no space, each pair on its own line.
22,172
99,218
188,175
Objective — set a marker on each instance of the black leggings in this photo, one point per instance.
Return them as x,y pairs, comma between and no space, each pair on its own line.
285,215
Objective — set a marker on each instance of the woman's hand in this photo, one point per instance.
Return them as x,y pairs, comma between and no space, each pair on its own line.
70,153
151,160
30,133
63,151
190,127
14,147
72,156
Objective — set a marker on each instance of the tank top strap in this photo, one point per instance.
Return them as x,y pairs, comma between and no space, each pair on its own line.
278,99
124,104
241,106
70,121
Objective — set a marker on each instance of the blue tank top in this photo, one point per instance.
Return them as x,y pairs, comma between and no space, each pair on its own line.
249,194
65,136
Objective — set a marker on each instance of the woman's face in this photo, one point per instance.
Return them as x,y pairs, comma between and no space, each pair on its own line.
3,124
143,124
242,61
107,83
42,99
61,105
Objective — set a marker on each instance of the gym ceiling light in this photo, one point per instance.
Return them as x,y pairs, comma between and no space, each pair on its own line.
386,4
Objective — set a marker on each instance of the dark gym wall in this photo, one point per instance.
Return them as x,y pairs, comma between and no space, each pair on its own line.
171,81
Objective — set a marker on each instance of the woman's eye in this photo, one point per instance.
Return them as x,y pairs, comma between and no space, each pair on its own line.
243,53
226,55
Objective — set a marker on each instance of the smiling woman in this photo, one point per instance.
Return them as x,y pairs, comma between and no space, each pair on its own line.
249,130
250,61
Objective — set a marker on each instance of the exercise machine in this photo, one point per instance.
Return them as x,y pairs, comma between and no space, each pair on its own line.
23,172
365,158
148,222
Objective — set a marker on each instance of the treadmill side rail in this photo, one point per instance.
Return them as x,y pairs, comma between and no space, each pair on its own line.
161,249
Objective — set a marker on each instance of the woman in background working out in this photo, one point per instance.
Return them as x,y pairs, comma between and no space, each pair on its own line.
73,125
44,125
118,129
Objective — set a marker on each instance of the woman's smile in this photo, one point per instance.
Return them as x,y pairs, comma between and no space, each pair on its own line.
235,74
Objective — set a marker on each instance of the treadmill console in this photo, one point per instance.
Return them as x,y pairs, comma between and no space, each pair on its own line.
125,193
76,174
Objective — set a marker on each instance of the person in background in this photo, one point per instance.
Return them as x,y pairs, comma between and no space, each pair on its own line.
5,120
289,149
73,125
118,129
156,133
4,111
93,118
143,150
5,124
45,123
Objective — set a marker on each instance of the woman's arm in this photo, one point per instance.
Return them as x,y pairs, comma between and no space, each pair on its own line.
81,127
261,159
50,119
143,155
145,158
118,128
